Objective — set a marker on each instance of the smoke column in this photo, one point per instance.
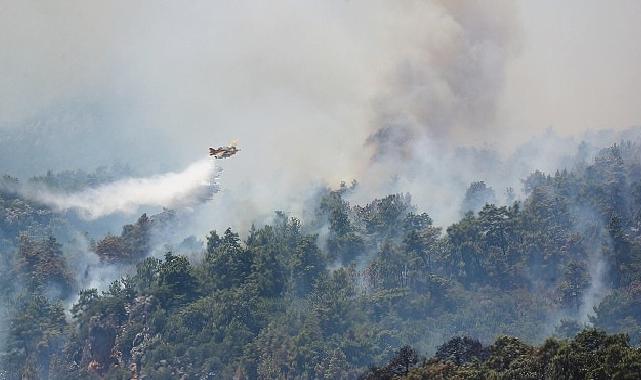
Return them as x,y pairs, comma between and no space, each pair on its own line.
598,288
194,185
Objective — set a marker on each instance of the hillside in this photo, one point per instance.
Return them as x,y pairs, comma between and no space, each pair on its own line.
339,293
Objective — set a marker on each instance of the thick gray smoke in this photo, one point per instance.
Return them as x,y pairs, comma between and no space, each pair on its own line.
305,85
450,84
192,186
320,76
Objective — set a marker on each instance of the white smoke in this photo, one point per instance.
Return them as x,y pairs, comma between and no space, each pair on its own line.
194,185
598,288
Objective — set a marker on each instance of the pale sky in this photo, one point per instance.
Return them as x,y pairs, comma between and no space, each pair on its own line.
303,84
579,67
318,75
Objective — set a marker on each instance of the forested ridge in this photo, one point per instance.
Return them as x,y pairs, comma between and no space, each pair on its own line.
544,287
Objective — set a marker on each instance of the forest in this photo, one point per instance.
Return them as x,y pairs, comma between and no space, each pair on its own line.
547,285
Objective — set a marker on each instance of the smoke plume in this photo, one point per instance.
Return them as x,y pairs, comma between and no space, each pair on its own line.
305,85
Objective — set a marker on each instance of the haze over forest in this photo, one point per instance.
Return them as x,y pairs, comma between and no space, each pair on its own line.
425,189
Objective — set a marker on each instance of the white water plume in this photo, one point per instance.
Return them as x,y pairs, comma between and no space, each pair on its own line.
194,185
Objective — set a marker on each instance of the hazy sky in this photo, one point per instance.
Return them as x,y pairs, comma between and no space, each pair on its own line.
215,70
578,66
304,84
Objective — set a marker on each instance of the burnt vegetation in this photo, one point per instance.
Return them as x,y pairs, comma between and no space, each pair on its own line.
379,296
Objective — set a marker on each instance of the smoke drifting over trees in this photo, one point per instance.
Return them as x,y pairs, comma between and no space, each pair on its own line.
341,291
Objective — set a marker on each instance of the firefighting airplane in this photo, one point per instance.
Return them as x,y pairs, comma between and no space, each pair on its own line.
224,151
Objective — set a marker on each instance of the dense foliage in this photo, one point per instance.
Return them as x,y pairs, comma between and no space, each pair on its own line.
344,291
592,354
